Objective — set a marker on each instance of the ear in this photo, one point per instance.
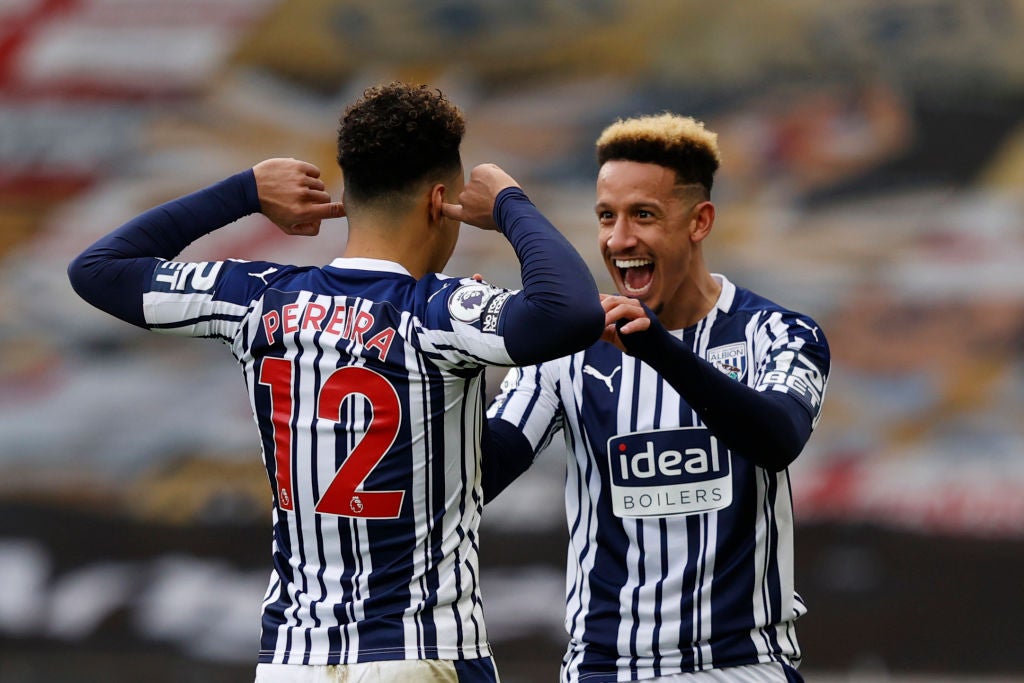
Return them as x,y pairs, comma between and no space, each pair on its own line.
435,201
702,222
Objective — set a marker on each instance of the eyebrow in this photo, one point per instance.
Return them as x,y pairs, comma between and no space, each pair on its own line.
632,206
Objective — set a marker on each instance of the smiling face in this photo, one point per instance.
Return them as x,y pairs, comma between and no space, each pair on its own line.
650,229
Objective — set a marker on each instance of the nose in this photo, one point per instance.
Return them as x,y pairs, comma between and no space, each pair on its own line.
621,235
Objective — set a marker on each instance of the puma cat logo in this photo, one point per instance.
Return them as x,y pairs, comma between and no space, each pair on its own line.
607,379
814,330
263,276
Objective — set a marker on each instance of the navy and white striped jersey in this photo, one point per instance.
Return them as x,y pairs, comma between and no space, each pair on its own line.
366,386
681,551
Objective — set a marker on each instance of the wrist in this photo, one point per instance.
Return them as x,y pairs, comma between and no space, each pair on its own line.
249,190
504,200
651,344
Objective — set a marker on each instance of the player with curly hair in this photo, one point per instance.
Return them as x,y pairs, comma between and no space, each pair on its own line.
365,378
680,426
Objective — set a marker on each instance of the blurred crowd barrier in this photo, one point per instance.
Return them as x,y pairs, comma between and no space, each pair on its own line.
872,175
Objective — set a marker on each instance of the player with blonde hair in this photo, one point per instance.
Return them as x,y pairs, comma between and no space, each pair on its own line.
680,426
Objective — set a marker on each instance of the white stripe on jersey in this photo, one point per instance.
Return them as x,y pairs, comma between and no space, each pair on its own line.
208,317
632,528
702,591
465,339
421,506
581,492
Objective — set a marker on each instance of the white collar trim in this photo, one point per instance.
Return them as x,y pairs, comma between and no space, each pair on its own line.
360,263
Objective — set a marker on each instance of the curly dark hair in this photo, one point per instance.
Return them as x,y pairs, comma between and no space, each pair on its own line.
396,135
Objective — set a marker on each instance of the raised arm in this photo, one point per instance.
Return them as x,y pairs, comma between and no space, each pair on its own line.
112,273
558,311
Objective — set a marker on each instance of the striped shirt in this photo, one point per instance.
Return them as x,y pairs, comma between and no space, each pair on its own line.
366,387
681,552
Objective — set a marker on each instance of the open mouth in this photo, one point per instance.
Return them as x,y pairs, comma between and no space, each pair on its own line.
635,274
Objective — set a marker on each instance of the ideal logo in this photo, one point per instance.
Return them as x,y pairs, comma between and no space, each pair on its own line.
669,472
189,278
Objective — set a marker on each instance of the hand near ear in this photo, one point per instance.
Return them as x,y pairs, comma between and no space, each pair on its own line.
293,197
476,201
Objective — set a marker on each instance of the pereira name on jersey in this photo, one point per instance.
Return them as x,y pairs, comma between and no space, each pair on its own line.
376,504
680,553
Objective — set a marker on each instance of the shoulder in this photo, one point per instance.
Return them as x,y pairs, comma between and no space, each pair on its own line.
463,300
771,325
205,276
750,304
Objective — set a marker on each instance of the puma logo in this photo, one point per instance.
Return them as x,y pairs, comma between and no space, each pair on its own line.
607,379
263,276
814,330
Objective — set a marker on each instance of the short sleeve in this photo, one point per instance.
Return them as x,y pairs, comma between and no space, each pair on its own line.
204,298
796,360
461,325
528,399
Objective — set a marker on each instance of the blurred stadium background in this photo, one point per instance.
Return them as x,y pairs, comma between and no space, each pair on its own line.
872,177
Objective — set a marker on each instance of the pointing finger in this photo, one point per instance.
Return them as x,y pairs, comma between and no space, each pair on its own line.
453,211
327,210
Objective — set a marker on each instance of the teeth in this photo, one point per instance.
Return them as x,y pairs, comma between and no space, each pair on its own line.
632,263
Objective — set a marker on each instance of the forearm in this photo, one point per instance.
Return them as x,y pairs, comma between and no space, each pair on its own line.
505,455
113,271
768,428
559,296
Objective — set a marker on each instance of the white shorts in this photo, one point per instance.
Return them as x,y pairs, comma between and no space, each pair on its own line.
751,673
395,671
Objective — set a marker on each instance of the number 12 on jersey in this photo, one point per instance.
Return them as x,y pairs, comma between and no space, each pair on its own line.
343,495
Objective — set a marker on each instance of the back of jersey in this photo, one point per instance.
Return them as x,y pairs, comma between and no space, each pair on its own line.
366,386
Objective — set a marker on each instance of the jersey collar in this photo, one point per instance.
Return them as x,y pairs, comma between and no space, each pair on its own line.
377,265
727,295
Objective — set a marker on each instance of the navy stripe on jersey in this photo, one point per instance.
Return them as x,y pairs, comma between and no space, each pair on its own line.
707,584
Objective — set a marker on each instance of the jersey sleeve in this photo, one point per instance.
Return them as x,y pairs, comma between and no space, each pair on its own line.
557,312
206,298
795,360
115,272
459,326
522,420
767,423
529,400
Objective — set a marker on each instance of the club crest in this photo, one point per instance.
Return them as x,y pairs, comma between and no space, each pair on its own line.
730,359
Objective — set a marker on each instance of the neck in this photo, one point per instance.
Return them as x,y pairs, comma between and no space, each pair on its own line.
702,293
405,240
